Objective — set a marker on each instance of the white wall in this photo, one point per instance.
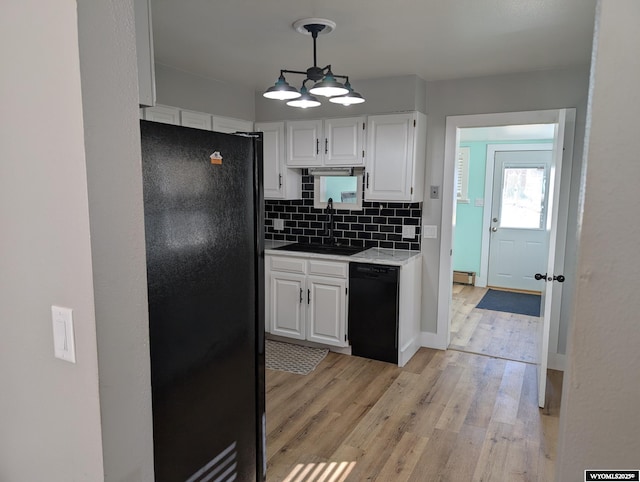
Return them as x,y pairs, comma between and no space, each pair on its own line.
72,234
529,91
192,92
599,421
50,425
114,171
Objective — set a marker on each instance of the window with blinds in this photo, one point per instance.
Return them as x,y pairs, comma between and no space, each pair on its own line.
462,175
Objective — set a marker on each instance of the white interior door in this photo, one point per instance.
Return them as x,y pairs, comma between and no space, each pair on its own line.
552,270
518,236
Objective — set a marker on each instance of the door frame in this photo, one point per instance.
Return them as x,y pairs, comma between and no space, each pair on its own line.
445,273
482,277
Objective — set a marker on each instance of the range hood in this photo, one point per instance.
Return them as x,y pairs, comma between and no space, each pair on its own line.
335,171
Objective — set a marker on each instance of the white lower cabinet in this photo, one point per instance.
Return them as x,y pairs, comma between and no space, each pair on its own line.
287,305
307,299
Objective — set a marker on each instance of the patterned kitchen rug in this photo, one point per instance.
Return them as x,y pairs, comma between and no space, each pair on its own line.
287,357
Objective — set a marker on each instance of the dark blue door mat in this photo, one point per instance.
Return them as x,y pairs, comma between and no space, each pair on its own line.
521,303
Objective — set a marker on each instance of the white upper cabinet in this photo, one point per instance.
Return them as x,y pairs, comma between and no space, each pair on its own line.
303,143
229,125
330,142
395,157
163,114
197,120
344,141
279,182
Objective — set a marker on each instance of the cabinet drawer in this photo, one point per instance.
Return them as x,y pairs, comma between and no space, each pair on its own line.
328,268
285,263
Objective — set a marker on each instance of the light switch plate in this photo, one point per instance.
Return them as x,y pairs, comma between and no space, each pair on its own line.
408,232
479,202
63,343
430,231
278,224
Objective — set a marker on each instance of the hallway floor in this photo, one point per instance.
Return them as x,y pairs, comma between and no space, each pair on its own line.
494,333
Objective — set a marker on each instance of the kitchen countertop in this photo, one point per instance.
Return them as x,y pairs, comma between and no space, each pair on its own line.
394,257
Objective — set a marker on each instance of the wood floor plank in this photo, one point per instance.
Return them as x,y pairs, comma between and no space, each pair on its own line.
447,416
403,459
435,456
464,458
508,400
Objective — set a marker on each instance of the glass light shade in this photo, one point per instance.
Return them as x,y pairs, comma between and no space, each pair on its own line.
329,87
305,100
348,99
281,90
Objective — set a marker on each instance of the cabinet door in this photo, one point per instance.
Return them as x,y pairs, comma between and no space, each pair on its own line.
303,143
288,303
273,159
164,114
197,120
343,142
327,312
389,157
229,126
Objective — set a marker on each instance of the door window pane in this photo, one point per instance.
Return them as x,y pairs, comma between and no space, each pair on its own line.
523,197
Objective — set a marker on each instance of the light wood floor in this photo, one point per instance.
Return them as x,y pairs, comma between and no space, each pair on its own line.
495,333
445,416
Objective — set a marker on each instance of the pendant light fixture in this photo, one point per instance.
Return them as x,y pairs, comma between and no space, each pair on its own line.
325,81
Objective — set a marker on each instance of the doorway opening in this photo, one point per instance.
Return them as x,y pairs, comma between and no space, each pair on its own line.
502,186
563,121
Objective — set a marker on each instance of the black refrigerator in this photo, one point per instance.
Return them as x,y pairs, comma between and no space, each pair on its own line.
205,268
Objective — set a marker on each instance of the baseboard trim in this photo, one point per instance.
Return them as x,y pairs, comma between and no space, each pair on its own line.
557,361
432,340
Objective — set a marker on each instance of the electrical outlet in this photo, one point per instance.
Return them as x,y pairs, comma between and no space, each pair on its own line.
278,224
408,232
435,192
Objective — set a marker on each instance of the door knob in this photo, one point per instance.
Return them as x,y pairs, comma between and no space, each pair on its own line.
559,278
495,220
494,229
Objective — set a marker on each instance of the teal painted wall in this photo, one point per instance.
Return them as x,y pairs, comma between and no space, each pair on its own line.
467,244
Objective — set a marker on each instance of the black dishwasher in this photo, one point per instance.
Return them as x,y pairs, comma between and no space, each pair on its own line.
373,311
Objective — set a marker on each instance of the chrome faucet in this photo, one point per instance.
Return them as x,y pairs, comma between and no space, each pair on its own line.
329,211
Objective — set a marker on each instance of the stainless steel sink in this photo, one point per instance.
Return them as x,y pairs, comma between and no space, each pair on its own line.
340,250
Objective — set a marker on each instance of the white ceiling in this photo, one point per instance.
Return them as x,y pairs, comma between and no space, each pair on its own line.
249,41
